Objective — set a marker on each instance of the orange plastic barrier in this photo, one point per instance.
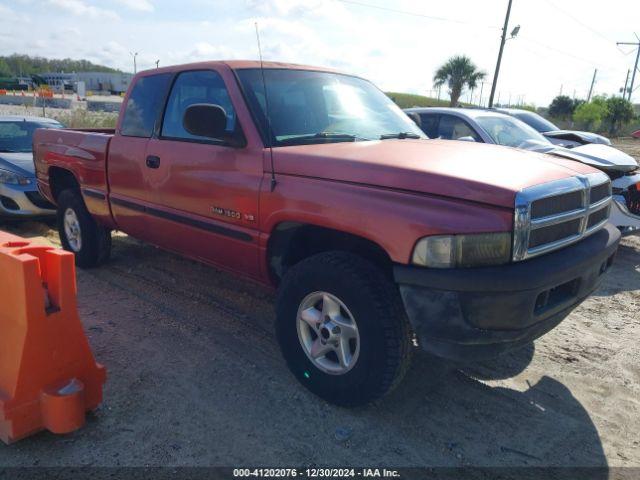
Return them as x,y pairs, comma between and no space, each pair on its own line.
48,376
3,91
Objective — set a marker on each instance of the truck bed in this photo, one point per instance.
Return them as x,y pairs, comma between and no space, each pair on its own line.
80,152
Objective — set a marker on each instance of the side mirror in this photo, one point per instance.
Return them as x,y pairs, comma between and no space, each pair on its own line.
468,138
205,120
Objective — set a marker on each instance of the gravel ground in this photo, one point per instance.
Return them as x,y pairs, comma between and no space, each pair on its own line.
196,379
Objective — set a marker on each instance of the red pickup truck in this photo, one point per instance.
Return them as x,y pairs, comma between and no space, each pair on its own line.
316,183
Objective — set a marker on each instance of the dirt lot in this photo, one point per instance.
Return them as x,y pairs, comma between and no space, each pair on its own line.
196,378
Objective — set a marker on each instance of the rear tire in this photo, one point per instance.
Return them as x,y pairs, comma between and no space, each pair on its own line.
369,314
79,232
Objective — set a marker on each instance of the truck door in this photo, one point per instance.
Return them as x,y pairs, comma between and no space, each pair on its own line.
130,189
207,189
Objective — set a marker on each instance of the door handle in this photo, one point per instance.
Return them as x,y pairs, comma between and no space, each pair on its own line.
153,161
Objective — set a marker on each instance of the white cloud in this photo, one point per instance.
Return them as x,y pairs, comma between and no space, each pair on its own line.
139,5
64,34
7,15
396,51
81,9
328,9
206,51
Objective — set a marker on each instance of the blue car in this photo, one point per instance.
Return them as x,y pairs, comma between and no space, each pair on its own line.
19,195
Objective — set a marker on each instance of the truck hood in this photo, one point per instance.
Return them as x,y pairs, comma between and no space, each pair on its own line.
18,162
475,172
598,156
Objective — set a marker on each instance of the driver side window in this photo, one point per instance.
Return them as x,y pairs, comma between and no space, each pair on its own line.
202,86
453,128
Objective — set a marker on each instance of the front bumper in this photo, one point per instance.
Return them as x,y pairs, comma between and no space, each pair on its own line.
473,313
625,208
23,201
621,217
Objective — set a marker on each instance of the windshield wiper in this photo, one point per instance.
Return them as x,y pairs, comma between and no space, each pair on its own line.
400,135
322,135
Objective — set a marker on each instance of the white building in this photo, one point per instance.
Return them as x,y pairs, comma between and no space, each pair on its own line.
114,83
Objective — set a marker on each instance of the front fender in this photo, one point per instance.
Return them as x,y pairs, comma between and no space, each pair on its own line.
395,220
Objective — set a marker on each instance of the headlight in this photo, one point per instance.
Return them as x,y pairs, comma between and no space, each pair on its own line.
13,178
448,251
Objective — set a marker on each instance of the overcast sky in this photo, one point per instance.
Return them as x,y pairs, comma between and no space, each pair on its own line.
560,43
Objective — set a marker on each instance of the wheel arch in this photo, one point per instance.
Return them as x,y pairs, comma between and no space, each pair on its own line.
291,242
61,179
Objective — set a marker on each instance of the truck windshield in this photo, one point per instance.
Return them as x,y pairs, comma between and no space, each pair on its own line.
508,131
319,107
16,136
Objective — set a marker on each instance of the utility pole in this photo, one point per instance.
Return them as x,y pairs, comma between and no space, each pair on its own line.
503,39
480,99
626,82
135,66
635,68
157,63
593,81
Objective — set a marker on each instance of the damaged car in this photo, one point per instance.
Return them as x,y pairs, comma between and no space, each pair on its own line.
557,136
490,126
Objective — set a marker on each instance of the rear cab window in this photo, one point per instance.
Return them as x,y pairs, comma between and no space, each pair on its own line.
145,105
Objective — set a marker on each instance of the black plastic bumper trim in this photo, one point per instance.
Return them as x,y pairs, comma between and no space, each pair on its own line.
209,227
94,194
474,313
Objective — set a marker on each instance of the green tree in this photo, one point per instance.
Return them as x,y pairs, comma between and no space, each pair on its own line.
590,115
619,113
458,72
562,107
5,71
528,106
26,65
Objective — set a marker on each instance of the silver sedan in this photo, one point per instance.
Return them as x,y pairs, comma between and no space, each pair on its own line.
19,195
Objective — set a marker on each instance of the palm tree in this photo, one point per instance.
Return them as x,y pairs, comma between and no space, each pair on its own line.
459,71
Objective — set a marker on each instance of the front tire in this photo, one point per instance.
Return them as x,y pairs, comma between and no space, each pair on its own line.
79,232
342,328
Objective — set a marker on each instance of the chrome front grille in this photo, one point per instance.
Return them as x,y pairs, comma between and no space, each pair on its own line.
555,214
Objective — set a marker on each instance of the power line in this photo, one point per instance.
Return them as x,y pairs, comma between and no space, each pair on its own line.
635,67
627,53
579,22
444,19
558,50
413,14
